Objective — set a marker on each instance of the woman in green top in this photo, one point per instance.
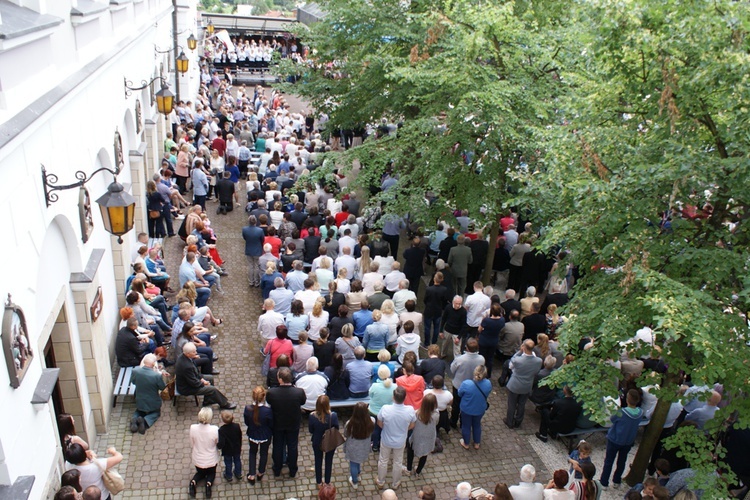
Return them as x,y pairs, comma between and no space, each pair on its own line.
381,394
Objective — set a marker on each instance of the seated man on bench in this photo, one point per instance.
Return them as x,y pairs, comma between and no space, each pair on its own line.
560,418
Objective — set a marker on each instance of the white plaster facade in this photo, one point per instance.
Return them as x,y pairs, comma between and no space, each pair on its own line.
61,100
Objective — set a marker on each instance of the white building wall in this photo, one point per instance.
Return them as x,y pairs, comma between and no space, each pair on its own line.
77,69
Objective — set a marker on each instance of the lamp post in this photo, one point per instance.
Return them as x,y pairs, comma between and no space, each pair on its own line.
210,27
164,98
192,42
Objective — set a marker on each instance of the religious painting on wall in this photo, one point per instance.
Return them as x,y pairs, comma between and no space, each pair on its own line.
84,214
16,345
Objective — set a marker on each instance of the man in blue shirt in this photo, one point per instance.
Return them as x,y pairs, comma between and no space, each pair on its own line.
360,374
187,273
254,238
296,279
396,420
200,184
620,438
361,319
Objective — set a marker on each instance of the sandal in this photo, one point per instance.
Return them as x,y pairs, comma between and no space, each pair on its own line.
259,477
218,322
250,479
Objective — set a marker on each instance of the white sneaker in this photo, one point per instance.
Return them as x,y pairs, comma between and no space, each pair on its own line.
351,481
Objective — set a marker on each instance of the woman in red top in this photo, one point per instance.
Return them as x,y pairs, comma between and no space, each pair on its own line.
274,241
280,345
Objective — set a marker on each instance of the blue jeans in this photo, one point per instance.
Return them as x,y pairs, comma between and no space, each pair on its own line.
228,461
614,450
354,469
204,293
376,437
431,324
471,424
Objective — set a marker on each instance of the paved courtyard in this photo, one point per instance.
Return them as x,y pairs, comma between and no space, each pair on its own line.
157,465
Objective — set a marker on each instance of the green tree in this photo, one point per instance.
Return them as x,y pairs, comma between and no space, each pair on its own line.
471,85
657,123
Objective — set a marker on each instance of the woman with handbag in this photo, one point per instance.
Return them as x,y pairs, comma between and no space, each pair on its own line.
474,394
94,469
320,422
259,421
155,204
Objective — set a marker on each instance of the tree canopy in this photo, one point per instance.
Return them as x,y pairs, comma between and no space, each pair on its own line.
619,127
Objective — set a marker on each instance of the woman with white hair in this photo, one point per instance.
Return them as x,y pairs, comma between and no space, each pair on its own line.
204,439
528,301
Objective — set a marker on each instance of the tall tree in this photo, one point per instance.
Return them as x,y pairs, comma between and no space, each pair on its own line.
647,184
470,84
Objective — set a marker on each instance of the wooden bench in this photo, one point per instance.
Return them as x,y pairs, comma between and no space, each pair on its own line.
350,402
569,438
123,385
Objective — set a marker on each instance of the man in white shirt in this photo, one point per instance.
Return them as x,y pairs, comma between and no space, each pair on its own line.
527,489
346,261
308,296
400,297
393,278
346,241
476,305
351,224
312,382
269,320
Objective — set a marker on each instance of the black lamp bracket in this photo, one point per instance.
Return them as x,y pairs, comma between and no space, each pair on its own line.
129,85
50,180
157,51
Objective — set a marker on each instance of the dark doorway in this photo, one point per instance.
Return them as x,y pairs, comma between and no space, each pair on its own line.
49,361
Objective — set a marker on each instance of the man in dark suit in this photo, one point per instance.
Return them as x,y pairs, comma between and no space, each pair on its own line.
414,264
436,297
129,348
285,401
298,216
534,323
254,238
510,303
189,382
561,418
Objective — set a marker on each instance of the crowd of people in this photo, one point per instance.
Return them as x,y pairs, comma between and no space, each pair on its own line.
407,340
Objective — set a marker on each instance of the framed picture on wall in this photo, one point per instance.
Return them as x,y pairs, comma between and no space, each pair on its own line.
84,214
15,340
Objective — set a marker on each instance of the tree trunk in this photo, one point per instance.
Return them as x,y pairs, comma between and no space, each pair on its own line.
650,438
494,231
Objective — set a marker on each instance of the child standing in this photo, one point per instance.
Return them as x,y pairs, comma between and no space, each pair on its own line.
230,444
620,438
581,455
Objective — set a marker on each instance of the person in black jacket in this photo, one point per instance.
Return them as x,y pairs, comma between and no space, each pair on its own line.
129,348
230,444
534,323
561,418
436,297
188,381
453,325
285,402
414,264
510,303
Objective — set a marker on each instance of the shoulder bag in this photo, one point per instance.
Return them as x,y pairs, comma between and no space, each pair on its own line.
266,366
486,396
167,394
332,438
112,480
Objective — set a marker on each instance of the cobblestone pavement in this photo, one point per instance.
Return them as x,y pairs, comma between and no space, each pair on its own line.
157,465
